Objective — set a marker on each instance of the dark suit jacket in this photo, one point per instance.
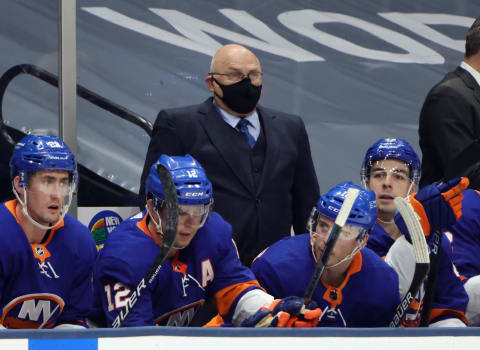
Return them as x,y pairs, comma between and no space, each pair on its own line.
449,123
260,215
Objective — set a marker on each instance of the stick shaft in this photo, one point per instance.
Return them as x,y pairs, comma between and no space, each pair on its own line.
340,221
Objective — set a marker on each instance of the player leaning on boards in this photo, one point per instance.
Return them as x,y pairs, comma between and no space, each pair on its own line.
357,288
202,264
465,238
391,168
47,256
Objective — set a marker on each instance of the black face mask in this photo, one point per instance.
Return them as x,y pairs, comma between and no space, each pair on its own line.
241,97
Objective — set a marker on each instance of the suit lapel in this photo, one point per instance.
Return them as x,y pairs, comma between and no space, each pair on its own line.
271,144
469,81
219,134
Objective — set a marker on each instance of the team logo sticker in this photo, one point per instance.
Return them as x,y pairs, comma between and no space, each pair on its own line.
102,224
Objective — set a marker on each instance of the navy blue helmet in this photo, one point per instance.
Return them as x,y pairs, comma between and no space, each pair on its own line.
397,149
191,182
363,213
36,153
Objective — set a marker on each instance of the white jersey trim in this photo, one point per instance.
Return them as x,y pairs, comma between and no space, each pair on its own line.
250,303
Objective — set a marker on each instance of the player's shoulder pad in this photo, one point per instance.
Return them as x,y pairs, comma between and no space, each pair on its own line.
470,205
122,247
286,250
216,229
78,239
374,265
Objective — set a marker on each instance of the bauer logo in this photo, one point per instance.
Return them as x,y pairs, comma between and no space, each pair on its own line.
102,224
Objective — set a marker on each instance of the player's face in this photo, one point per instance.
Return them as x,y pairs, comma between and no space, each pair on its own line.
46,192
346,243
388,178
189,220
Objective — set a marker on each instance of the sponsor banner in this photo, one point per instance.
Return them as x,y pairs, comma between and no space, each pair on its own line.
101,221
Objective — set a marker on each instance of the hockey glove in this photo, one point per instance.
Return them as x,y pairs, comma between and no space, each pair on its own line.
287,312
438,205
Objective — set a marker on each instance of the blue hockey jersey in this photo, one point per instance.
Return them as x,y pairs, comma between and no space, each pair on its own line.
379,241
368,296
48,284
465,236
207,268
450,298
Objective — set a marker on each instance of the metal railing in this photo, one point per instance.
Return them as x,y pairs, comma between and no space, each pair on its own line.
82,92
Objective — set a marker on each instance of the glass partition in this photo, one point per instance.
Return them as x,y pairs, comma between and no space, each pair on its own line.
335,64
28,35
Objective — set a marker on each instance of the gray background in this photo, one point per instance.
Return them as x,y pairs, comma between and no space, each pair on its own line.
346,101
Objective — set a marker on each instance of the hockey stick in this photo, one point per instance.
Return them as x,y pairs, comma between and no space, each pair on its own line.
431,279
342,217
422,261
171,204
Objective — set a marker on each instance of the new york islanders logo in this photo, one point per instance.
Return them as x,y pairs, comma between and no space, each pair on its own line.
32,311
102,224
180,317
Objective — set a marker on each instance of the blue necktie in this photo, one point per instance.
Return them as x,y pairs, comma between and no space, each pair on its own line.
242,126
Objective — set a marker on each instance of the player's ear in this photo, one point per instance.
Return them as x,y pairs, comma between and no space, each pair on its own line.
364,240
16,184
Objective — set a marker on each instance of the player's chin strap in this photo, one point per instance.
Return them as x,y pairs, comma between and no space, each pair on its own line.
64,211
348,257
158,225
409,192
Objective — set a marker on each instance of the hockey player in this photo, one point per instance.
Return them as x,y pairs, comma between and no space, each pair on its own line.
47,256
357,288
465,238
203,263
391,168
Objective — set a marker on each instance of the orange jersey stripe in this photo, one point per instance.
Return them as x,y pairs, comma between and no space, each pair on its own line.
443,312
11,206
334,294
224,298
420,211
216,321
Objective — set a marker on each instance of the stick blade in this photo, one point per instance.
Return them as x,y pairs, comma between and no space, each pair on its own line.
419,243
171,203
171,224
422,259
352,194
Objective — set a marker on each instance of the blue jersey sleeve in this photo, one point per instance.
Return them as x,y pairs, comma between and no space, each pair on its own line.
231,278
465,236
450,298
115,285
267,275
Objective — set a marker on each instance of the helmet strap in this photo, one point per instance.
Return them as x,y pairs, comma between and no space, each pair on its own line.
410,188
349,256
32,220
158,225
385,222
